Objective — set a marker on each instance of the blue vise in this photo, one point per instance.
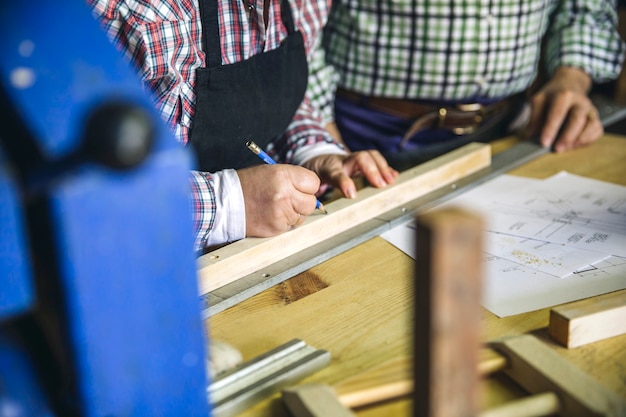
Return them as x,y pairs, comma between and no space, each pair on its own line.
99,309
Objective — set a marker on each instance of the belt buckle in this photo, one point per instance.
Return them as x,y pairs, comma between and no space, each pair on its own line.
476,108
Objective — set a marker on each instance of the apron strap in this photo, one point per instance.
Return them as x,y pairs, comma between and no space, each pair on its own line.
287,17
211,31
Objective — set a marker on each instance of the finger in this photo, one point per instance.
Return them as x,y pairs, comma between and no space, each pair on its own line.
372,165
590,131
571,129
556,115
298,220
345,184
303,179
379,168
536,115
301,204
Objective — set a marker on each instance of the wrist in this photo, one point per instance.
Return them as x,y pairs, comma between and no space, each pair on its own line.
573,78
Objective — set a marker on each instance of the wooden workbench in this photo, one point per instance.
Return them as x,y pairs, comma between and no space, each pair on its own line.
358,305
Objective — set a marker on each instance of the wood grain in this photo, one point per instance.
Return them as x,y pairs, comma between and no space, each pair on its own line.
364,315
448,281
229,263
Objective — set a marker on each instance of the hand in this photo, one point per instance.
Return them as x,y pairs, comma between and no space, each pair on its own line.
563,116
277,197
337,170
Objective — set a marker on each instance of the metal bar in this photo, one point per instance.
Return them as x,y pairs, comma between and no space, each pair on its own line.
259,378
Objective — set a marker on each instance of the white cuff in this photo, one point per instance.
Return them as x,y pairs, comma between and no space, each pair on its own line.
230,211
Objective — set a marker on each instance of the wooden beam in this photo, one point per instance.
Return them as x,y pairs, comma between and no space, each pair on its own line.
448,283
587,321
538,368
236,260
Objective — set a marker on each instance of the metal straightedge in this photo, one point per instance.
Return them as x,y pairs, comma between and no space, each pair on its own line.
259,378
252,284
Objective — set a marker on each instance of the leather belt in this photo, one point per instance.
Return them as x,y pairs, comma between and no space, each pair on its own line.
460,119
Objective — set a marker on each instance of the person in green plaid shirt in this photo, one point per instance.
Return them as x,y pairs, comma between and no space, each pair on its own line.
416,78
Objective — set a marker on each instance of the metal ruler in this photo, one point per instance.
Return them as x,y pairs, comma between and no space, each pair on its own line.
250,285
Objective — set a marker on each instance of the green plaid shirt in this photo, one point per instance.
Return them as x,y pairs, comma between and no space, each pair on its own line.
461,49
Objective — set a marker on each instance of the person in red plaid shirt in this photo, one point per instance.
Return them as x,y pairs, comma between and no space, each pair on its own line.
223,73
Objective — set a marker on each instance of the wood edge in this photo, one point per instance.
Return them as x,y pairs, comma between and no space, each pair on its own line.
559,328
470,158
598,304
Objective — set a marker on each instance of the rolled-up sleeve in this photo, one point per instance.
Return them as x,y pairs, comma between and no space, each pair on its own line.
584,34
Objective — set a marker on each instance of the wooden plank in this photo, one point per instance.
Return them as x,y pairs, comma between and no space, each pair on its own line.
537,368
587,321
448,282
229,263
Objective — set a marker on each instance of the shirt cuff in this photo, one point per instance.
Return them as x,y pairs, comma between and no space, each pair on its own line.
230,213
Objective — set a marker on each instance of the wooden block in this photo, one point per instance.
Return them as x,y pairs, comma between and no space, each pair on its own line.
589,320
537,368
236,260
314,400
447,320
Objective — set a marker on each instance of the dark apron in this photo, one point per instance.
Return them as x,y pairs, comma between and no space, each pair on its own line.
254,99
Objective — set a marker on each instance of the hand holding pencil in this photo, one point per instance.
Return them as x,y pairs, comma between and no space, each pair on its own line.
268,160
276,197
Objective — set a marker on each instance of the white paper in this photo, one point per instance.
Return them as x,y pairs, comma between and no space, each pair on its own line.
547,241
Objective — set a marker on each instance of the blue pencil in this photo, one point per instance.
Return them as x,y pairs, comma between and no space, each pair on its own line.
268,160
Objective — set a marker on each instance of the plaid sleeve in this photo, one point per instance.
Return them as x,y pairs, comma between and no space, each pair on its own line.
584,34
305,130
322,84
161,39
203,205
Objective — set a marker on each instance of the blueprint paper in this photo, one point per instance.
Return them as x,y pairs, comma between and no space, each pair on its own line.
566,209
547,242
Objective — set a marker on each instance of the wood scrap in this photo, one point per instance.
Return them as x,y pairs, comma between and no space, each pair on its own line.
587,321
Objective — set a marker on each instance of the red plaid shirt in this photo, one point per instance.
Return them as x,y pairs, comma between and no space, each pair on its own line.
163,40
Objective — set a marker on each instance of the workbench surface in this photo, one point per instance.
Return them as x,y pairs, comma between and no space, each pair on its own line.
358,306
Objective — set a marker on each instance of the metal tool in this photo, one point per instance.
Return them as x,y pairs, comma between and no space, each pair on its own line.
259,378
98,306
